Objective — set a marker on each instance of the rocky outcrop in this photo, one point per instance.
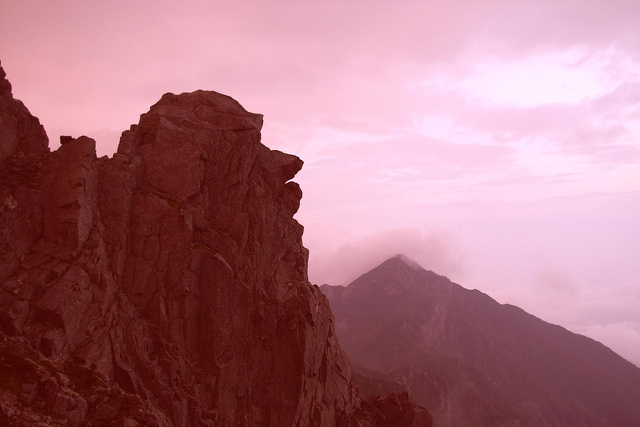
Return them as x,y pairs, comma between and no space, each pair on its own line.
166,285
23,147
396,410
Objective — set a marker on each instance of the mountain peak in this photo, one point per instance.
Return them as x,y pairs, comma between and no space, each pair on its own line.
453,346
398,276
408,261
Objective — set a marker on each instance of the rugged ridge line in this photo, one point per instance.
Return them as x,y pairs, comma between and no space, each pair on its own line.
166,285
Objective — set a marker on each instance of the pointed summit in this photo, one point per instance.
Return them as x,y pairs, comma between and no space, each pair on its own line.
399,276
408,261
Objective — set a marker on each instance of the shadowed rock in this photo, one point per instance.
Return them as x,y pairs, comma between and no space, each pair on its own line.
166,285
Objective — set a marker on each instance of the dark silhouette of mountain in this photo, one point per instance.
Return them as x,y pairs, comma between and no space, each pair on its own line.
474,362
167,285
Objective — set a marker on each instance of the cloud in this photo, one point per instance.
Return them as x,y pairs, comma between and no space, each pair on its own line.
556,77
344,262
550,280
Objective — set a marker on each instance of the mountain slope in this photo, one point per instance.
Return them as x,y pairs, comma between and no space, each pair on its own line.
473,361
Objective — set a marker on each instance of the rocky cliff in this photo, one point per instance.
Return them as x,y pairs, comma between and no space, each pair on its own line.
166,285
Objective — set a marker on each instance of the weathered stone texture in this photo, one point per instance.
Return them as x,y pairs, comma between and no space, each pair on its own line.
23,145
168,284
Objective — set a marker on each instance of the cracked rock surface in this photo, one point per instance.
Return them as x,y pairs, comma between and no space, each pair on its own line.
166,285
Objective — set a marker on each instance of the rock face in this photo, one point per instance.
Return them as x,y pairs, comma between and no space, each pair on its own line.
166,285
23,146
474,362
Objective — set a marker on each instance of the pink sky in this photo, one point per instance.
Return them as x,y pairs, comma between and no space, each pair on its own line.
495,142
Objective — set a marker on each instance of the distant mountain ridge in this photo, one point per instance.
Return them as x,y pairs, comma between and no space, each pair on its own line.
472,361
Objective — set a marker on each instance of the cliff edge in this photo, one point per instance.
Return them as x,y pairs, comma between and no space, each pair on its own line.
166,285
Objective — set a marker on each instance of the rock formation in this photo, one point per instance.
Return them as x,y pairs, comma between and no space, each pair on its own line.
166,285
474,362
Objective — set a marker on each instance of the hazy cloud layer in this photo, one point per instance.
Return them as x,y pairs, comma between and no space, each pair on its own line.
496,142
341,265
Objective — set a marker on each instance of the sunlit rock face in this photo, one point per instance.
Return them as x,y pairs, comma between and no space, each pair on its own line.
474,362
166,285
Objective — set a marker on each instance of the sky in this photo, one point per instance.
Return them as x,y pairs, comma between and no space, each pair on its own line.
496,142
